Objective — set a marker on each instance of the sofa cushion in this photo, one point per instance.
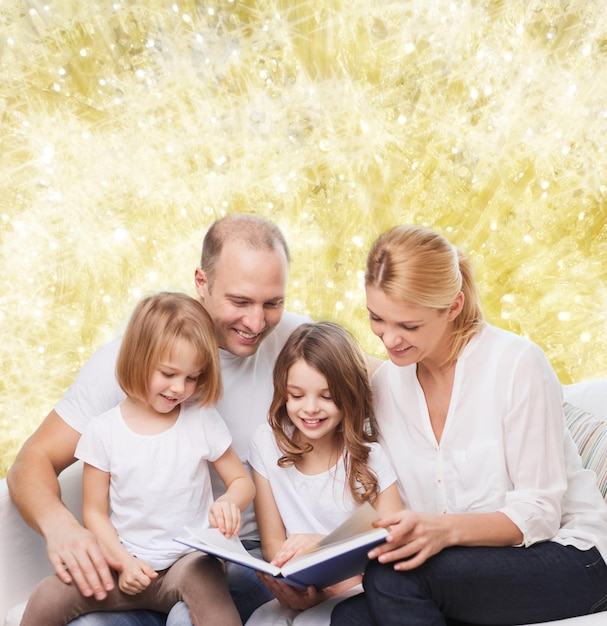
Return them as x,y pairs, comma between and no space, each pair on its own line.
590,436
13,617
590,395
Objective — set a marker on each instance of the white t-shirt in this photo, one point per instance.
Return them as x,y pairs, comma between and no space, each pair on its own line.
505,446
311,504
158,483
247,393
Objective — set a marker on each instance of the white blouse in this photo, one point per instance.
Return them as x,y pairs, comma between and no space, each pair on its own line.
504,447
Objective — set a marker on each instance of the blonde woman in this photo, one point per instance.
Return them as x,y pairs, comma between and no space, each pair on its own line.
501,524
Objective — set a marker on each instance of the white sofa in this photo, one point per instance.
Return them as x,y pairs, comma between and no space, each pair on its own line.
23,559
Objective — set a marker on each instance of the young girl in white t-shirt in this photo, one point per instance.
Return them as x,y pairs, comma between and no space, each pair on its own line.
147,460
315,462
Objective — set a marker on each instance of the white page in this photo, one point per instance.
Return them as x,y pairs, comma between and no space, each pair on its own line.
214,542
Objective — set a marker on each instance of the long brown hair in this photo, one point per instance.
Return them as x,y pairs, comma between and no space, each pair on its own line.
419,267
330,349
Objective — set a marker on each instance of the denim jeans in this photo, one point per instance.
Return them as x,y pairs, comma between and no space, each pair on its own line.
179,616
488,586
120,618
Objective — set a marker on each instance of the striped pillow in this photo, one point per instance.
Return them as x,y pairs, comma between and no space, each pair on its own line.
590,436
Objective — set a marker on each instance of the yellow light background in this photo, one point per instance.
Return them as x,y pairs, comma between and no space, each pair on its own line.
128,127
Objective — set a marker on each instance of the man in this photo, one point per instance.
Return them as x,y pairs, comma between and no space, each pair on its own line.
241,282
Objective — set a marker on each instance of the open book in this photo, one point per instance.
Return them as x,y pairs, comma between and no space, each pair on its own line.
340,555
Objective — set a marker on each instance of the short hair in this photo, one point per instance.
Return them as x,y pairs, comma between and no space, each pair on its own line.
156,324
419,267
331,350
252,231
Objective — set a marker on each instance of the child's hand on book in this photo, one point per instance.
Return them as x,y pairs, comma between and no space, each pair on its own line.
320,562
225,516
292,597
136,575
302,599
294,545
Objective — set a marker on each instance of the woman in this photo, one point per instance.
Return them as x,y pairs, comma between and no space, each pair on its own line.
501,523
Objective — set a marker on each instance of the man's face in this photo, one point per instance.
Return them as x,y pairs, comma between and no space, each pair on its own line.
246,299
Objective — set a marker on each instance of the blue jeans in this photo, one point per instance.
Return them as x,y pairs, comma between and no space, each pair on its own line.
489,586
120,618
179,616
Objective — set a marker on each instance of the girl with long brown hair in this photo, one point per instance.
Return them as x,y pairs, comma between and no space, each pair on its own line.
317,459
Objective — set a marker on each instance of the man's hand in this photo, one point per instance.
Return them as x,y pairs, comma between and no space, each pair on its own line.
77,557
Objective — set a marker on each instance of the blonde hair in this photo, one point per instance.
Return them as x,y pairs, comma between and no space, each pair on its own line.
331,350
155,326
417,266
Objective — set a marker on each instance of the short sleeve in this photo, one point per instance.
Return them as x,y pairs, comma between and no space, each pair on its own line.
259,449
216,432
380,464
93,446
94,390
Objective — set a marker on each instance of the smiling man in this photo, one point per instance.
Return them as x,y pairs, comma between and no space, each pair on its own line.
241,282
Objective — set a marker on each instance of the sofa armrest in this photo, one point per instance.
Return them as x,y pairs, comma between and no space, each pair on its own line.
590,396
23,560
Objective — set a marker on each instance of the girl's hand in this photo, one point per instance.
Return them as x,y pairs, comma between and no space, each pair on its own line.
225,516
302,599
135,576
413,538
294,545
292,597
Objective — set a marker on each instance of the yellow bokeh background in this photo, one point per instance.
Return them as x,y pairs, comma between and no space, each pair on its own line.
128,127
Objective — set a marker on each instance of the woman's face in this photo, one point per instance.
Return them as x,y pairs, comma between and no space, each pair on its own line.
411,334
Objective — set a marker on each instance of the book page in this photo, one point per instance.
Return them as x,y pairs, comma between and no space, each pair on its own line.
338,557
213,537
359,522
211,541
